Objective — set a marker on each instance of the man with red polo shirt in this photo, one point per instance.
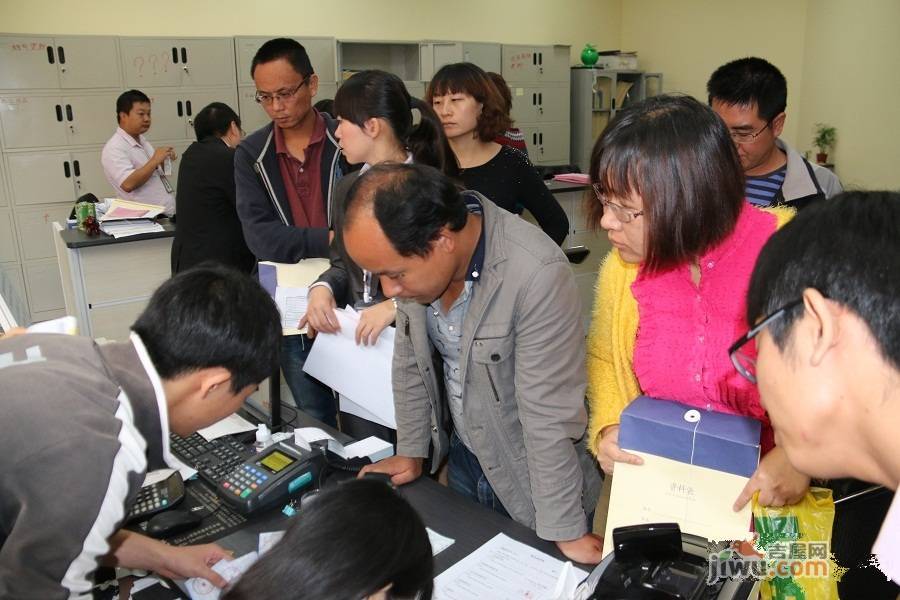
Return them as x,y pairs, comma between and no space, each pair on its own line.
284,177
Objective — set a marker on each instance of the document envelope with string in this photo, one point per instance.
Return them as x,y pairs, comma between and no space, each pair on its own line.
704,438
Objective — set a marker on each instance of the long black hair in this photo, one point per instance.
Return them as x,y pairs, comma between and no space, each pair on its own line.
349,542
378,94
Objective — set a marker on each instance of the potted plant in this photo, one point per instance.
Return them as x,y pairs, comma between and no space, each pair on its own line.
824,140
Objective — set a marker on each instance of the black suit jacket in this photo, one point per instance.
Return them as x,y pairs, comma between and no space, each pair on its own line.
208,227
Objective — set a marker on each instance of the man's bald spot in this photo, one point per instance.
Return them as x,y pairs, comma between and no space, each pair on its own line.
361,197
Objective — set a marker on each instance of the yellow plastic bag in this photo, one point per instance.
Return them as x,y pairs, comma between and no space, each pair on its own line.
797,543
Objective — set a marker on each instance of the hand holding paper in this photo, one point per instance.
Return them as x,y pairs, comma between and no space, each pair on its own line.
320,312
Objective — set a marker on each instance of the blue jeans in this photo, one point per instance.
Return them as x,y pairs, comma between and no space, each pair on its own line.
465,476
310,395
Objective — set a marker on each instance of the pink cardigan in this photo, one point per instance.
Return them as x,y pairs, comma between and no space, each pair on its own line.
684,331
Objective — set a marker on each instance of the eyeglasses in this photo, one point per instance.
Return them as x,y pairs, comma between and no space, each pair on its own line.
622,213
281,96
743,357
741,137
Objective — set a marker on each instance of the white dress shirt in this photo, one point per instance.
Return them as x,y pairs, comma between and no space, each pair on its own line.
123,155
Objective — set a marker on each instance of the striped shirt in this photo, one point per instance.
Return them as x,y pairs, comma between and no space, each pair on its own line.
763,189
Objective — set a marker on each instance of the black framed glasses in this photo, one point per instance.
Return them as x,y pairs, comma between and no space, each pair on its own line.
746,137
280,95
743,355
622,213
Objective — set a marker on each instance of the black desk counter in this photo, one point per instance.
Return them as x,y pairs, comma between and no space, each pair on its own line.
561,187
75,238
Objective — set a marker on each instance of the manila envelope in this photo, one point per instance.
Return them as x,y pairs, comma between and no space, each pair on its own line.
668,491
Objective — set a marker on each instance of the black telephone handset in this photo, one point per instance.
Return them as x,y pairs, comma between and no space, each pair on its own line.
155,498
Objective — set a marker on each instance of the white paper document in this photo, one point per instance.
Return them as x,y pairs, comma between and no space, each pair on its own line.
268,539
668,491
230,425
503,569
361,373
439,542
292,302
156,476
230,570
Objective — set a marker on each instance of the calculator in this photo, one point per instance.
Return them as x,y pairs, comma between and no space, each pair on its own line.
155,498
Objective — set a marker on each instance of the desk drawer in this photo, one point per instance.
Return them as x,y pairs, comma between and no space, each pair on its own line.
113,322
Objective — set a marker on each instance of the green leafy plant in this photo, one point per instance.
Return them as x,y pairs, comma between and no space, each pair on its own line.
825,138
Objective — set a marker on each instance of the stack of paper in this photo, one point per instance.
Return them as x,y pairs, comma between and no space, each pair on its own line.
126,228
126,209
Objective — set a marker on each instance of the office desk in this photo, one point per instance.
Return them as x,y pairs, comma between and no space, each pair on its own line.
106,281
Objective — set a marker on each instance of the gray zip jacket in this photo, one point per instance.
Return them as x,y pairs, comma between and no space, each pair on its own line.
523,368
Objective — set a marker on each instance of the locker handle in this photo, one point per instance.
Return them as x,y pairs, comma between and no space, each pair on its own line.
184,55
174,55
61,53
541,98
541,139
533,99
187,105
50,55
534,58
541,58
534,139
180,112
59,113
77,168
66,169
69,114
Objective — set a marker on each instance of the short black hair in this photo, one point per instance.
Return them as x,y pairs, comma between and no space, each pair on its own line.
411,203
215,119
286,48
212,316
745,81
677,155
128,99
847,248
349,542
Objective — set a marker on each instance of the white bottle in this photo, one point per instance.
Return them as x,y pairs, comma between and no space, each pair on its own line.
263,437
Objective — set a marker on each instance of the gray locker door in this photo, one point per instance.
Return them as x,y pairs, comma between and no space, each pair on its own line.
555,64
93,118
40,177
195,100
326,91
148,62
44,286
253,116
169,116
554,103
416,89
525,108
88,62
90,177
27,62
32,121
8,251
552,143
209,61
441,54
486,56
3,199
520,63
14,292
34,227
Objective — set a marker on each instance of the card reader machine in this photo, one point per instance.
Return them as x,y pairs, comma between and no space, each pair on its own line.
270,477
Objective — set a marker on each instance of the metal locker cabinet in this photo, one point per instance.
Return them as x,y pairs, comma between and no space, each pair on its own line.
33,225
89,175
13,275
27,62
149,62
553,103
3,197
169,115
88,62
32,121
195,100
554,63
437,54
416,89
520,63
44,287
209,61
554,142
41,177
90,119
253,116
525,107
8,250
